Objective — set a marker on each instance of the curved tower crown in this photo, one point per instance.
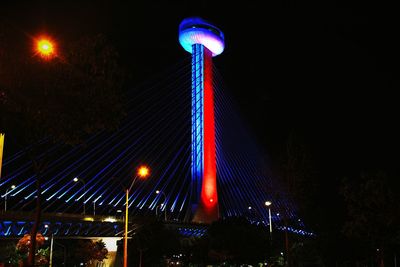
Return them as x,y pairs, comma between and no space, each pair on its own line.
195,30
203,41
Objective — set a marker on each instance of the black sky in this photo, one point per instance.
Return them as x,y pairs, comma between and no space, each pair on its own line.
326,71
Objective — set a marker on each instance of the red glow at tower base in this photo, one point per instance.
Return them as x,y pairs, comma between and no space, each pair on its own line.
207,210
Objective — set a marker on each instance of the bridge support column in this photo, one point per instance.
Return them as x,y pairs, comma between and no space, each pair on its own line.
204,41
203,124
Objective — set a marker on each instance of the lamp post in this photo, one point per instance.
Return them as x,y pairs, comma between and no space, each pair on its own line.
268,204
51,247
142,172
165,203
46,49
76,179
5,197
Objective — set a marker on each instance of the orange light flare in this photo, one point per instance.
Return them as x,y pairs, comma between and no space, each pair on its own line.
143,172
45,47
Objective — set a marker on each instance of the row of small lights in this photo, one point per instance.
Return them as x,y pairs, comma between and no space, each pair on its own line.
47,49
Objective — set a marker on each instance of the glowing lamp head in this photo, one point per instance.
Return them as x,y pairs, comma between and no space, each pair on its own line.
195,30
268,203
157,191
13,187
143,172
76,179
45,47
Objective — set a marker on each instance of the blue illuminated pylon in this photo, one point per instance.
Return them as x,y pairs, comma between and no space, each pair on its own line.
204,41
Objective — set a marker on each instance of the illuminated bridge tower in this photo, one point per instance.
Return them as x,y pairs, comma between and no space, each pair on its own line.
204,41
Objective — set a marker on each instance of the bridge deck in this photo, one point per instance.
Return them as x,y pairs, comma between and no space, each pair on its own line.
64,225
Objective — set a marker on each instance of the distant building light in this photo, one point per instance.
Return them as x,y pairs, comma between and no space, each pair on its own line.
109,219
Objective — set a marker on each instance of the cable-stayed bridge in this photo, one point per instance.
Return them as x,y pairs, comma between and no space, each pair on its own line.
156,132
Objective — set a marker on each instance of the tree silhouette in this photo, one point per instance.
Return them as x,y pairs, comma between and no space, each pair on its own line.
373,209
236,240
63,100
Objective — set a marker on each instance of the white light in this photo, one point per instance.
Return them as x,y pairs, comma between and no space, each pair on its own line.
76,179
111,243
157,191
268,203
109,219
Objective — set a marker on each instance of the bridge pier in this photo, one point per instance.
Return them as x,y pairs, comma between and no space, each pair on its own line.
203,40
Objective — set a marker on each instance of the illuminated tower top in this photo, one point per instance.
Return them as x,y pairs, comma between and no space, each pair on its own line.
196,30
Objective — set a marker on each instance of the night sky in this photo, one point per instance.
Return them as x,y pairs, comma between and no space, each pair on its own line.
327,72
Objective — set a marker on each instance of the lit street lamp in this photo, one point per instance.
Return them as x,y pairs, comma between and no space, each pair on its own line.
45,47
143,172
268,204
5,197
76,179
165,203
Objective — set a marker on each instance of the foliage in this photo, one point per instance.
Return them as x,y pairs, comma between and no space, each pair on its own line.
66,98
372,213
8,246
24,243
300,179
42,257
89,250
17,254
62,99
152,241
305,253
236,240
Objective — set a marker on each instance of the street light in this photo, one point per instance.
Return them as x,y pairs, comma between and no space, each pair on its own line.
5,197
268,204
45,47
142,172
165,203
76,179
